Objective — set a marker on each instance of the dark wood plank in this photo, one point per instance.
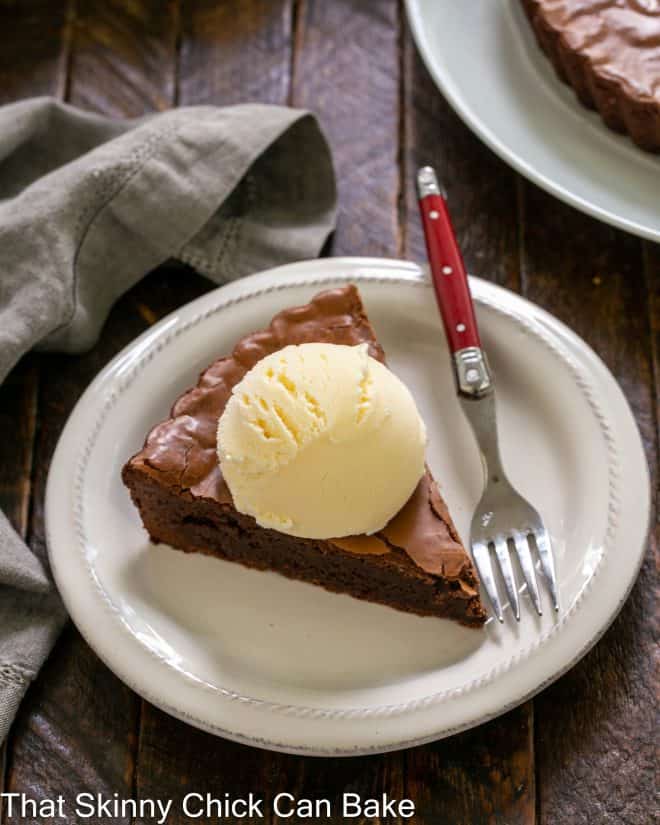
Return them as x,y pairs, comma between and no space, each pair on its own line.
485,775
237,51
32,62
346,70
124,56
35,48
77,730
200,763
595,726
18,415
174,758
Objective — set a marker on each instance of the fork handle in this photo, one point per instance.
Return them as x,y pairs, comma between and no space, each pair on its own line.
452,289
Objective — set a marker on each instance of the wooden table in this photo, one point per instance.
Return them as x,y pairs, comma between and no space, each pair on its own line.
582,751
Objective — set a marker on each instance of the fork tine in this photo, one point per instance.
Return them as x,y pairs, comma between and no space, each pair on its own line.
481,558
544,547
504,559
527,566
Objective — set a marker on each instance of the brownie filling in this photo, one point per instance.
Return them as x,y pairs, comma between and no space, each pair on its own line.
390,578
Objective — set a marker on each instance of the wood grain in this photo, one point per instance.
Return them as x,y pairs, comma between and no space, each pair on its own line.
595,726
205,764
18,415
483,776
486,775
35,48
236,51
346,70
123,62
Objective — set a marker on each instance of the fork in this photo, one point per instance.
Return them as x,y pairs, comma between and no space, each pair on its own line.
504,523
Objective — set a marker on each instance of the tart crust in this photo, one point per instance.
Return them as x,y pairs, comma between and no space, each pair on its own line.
608,51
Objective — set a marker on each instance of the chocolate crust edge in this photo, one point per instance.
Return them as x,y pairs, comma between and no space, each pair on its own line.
180,404
636,117
197,525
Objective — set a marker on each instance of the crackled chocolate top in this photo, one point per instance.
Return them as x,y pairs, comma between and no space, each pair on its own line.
181,451
621,39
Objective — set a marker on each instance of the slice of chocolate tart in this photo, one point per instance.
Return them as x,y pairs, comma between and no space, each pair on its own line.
417,563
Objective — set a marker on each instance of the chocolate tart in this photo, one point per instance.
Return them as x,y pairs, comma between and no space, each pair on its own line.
609,52
417,563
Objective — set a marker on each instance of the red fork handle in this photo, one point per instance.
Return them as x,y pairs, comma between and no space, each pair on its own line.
447,268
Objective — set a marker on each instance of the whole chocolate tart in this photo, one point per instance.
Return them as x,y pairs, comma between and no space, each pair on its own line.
416,563
609,52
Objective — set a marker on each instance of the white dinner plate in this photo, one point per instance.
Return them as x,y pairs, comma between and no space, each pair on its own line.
285,665
483,56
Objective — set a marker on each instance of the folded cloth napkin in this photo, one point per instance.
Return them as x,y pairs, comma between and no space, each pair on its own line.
89,205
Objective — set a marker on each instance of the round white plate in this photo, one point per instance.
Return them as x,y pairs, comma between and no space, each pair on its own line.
483,56
281,664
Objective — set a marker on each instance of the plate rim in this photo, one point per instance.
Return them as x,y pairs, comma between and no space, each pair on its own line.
471,119
333,267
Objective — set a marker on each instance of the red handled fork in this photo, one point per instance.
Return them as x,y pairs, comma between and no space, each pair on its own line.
504,522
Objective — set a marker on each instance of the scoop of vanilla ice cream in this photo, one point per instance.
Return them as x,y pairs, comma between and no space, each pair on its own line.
321,441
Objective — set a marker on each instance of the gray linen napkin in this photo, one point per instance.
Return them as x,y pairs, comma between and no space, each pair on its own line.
89,205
